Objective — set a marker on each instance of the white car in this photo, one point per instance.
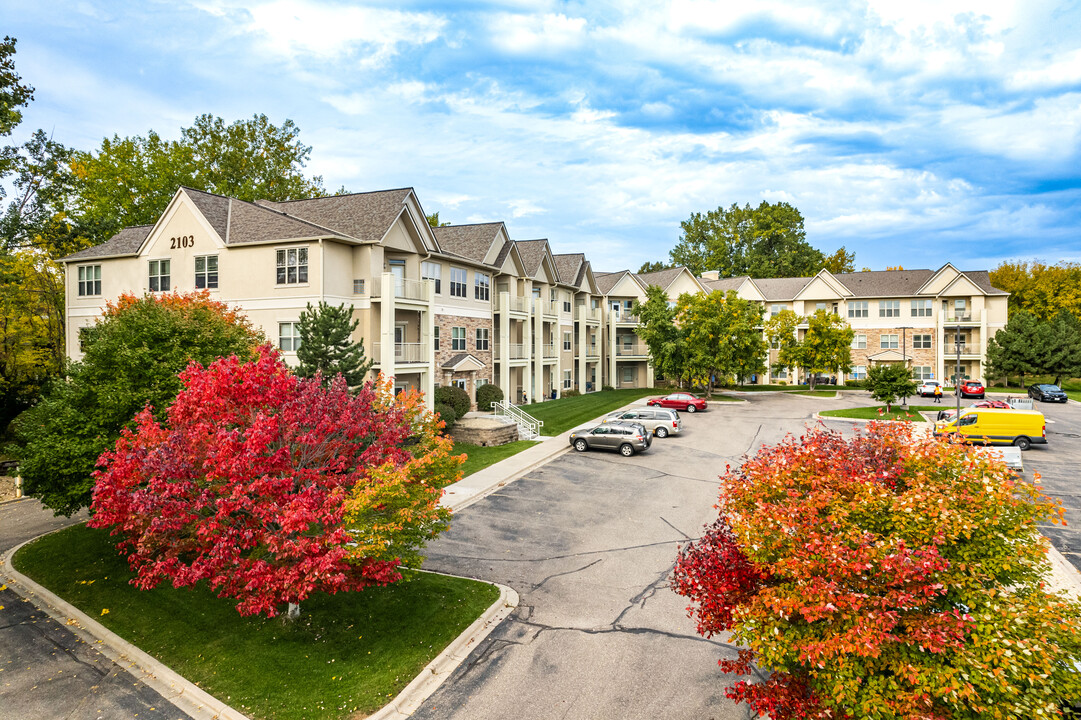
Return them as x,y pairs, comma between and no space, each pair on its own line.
927,388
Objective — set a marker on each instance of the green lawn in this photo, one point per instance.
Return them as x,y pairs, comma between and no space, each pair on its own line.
815,393
897,413
480,457
565,413
346,656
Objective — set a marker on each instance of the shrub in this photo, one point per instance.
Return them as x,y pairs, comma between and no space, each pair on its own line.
607,387
271,487
133,356
571,393
890,575
447,415
487,395
455,397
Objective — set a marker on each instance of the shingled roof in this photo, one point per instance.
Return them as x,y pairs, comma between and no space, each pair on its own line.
532,252
471,242
607,281
724,284
883,283
569,267
781,288
662,278
362,216
126,242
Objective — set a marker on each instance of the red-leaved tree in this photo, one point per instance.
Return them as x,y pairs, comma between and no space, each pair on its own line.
270,487
886,576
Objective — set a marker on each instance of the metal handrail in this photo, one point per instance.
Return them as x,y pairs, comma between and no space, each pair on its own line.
528,426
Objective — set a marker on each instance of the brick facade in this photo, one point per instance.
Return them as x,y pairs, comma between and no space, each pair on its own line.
445,351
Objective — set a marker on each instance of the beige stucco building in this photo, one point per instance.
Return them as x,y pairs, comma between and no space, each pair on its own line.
469,305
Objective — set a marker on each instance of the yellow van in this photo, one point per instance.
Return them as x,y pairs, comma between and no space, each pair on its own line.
1022,428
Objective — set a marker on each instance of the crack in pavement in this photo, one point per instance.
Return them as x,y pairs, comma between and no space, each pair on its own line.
685,535
644,595
433,556
567,572
618,629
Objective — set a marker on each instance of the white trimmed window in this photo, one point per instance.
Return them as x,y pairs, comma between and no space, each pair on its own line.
566,306
159,280
89,280
775,310
857,308
435,338
289,336
567,380
922,372
859,342
889,308
432,271
566,341
888,342
206,272
457,282
482,286
921,308
457,338
628,373
482,338
291,266
921,342
859,372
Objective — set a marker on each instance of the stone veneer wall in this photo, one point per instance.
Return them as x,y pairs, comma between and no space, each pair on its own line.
445,323
922,356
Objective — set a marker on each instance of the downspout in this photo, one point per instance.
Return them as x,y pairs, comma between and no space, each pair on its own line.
322,271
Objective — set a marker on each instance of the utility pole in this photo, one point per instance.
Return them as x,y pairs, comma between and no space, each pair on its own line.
957,374
904,357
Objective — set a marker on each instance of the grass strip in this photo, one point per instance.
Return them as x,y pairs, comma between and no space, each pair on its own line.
912,412
565,413
816,393
346,656
479,457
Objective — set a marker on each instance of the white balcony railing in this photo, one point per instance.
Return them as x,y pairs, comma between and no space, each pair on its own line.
633,349
627,319
549,350
404,353
584,314
403,288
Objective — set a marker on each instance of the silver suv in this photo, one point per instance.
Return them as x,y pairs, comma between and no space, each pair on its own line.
662,422
626,437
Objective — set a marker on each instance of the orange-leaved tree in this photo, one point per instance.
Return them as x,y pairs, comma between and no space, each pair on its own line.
885,576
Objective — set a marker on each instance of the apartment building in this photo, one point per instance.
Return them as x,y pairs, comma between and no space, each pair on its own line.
928,319
468,305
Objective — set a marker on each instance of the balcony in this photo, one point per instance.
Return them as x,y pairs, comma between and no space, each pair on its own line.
949,349
627,319
404,353
632,350
516,351
549,309
403,289
584,314
516,305
549,351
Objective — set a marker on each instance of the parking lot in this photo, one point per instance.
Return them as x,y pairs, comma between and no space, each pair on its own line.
589,540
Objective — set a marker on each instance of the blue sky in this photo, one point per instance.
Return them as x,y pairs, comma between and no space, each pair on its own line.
910,132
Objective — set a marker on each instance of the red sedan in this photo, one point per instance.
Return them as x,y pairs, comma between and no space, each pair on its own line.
972,388
680,401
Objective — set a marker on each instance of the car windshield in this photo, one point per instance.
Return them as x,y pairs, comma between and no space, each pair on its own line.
1051,388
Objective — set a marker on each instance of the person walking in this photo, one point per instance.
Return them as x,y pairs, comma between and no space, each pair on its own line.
938,394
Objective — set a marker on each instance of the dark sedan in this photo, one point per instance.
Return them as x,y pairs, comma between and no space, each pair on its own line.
1047,393
679,401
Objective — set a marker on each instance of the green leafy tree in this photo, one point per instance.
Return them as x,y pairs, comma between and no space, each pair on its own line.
764,242
657,328
327,347
781,329
827,345
129,181
653,266
13,95
723,336
1063,344
132,358
1041,289
1017,349
841,261
433,220
38,215
889,381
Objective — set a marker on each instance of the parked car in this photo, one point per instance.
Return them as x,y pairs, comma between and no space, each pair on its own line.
662,422
927,388
626,437
1022,428
948,413
1047,393
679,401
972,388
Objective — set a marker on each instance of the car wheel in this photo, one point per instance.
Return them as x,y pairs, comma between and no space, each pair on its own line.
1022,442
626,450
691,409
662,432
581,445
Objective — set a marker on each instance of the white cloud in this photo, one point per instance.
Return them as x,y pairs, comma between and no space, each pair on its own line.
522,33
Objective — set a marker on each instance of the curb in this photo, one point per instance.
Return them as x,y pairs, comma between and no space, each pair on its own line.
409,700
182,693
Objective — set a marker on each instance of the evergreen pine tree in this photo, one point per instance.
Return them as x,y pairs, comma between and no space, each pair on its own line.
326,345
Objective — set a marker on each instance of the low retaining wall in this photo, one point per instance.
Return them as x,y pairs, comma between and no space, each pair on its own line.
486,431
